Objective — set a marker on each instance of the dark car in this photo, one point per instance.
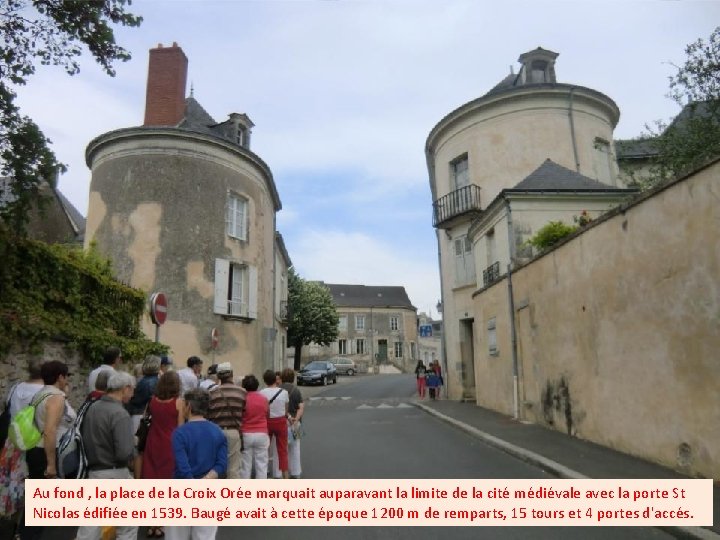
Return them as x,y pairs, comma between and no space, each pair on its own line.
317,372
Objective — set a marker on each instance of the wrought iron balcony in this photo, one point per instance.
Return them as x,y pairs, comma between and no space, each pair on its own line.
461,201
284,311
491,274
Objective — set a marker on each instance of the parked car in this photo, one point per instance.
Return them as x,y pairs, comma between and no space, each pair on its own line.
344,366
317,372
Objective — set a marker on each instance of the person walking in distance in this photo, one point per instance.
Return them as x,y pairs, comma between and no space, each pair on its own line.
107,432
200,451
420,371
227,403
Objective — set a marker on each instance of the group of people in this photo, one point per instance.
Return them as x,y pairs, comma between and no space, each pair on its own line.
198,428
429,378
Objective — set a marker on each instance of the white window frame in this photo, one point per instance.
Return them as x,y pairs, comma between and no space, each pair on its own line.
360,347
398,349
342,347
394,323
236,216
464,261
460,172
359,322
342,323
236,286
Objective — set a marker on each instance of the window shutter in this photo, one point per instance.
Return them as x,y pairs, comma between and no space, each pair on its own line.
222,276
252,291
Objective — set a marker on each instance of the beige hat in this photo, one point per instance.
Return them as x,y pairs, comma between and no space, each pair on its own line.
225,367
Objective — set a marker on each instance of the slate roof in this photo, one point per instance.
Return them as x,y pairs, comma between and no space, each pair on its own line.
76,218
369,296
196,117
553,177
636,148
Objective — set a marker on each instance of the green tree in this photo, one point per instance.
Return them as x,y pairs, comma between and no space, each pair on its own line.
48,32
693,137
313,317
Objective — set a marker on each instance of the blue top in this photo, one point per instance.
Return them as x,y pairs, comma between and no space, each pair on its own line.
433,381
143,392
199,446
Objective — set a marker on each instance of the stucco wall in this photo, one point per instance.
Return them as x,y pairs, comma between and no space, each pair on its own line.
157,209
618,331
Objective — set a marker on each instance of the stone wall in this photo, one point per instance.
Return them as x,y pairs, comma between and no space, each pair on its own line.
13,369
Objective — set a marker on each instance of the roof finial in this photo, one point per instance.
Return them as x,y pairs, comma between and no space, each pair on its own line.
192,89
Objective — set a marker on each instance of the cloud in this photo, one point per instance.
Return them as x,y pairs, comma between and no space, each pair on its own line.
356,258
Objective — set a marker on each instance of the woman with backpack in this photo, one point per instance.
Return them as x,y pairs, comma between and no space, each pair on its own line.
13,467
53,417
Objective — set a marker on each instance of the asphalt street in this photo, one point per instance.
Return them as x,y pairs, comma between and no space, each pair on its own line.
366,427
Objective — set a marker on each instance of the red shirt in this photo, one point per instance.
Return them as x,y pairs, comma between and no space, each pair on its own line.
256,413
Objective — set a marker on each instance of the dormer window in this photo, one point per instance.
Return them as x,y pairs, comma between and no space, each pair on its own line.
241,136
538,71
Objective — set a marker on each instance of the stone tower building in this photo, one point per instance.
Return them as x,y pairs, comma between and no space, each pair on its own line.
182,205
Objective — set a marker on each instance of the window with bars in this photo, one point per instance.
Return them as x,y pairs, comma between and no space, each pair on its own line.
236,287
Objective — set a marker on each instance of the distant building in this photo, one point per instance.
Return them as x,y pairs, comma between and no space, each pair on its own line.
377,325
182,205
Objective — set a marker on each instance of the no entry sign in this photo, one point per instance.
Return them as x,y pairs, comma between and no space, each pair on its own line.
158,308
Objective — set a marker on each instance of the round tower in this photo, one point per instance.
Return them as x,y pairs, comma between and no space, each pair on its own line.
183,206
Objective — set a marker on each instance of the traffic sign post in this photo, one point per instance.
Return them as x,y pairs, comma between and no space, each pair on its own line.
214,341
158,312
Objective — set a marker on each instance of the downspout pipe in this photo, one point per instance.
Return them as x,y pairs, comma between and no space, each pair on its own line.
572,128
511,305
442,335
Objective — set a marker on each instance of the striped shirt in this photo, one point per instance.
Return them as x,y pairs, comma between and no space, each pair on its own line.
227,403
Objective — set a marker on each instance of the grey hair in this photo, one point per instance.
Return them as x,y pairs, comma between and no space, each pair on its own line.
199,400
151,365
120,380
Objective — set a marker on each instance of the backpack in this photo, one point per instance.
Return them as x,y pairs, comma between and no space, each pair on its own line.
71,458
23,432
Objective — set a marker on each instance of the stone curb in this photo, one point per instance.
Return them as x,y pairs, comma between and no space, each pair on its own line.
553,467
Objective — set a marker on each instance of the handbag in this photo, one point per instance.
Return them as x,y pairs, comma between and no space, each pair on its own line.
143,429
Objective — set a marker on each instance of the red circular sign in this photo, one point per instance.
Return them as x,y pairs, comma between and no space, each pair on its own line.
158,308
215,338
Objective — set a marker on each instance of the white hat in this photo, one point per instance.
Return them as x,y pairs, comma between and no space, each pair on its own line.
225,367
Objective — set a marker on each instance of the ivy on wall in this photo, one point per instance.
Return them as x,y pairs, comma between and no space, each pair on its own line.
56,292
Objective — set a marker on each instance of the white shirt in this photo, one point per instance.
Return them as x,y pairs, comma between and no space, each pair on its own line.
188,380
21,396
207,384
279,404
94,375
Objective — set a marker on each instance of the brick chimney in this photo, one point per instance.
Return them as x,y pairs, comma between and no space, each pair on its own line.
167,77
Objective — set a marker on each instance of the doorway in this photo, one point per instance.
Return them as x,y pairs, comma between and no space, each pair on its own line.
467,358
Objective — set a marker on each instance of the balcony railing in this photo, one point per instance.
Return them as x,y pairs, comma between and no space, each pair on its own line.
491,274
284,311
460,201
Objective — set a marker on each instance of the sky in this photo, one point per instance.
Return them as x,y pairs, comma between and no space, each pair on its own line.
343,94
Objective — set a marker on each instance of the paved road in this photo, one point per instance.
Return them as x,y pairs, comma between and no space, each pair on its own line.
366,427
